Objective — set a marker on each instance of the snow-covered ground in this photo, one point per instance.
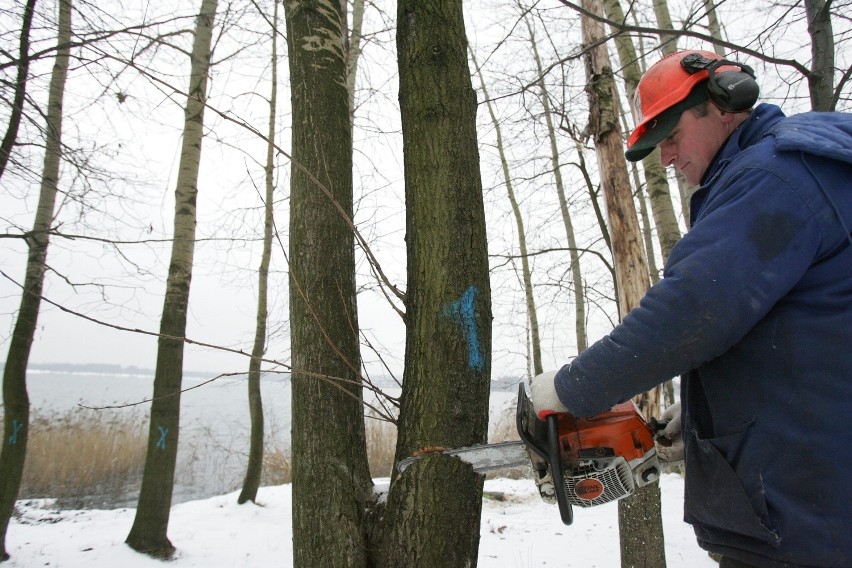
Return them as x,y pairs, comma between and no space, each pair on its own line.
518,531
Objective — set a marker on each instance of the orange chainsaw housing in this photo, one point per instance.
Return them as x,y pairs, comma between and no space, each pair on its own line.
588,461
621,429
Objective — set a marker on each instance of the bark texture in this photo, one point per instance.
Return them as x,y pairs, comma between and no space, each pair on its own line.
150,525
331,481
433,511
821,79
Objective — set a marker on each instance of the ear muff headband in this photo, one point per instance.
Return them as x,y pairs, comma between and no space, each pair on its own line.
732,91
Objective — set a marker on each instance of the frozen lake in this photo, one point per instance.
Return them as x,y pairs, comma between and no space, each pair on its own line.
214,434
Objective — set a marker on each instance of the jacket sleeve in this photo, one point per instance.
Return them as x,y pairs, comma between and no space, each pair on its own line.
752,242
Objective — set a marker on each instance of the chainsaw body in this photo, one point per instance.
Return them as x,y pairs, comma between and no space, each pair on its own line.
575,461
587,461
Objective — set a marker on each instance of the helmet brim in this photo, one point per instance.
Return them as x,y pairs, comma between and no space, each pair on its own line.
656,129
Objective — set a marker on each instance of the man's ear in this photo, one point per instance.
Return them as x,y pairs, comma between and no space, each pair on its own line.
723,115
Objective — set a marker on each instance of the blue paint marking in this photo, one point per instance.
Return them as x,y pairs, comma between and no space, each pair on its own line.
463,310
16,427
161,443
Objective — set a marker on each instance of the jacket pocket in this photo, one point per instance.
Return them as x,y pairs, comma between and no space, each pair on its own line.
715,494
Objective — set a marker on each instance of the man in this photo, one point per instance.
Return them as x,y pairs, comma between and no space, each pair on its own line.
755,310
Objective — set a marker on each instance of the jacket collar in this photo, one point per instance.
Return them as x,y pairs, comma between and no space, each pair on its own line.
762,119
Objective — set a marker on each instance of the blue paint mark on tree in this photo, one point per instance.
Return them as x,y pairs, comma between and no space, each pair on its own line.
16,427
463,311
161,443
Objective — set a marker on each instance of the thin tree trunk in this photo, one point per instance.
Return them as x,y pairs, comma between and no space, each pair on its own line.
594,194
668,45
353,54
20,91
713,26
254,467
665,220
640,520
668,231
331,478
433,511
821,79
647,232
574,254
668,41
16,402
526,273
148,533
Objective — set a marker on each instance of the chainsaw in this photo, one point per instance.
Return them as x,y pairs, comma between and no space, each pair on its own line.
575,461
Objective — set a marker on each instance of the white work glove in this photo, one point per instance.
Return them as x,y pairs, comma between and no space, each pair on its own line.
669,440
543,395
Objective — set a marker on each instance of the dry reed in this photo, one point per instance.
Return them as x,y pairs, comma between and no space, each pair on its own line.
95,458
84,454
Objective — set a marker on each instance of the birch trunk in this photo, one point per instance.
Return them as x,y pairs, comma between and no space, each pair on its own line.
16,402
713,26
150,525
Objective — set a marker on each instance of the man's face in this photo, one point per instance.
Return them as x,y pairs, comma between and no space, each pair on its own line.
693,142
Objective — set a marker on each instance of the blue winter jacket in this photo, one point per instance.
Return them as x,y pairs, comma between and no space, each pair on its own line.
756,310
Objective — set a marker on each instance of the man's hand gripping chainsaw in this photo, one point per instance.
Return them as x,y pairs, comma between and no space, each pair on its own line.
574,461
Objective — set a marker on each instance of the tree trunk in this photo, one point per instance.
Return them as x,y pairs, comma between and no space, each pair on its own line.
713,26
433,510
668,41
254,467
573,252
331,479
665,220
821,79
16,402
668,231
640,521
20,91
668,45
353,54
526,273
148,533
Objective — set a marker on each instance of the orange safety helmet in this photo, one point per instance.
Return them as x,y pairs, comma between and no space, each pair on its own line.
666,90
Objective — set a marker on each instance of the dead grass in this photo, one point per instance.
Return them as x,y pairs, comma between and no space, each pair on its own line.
84,454
381,447
95,458
505,429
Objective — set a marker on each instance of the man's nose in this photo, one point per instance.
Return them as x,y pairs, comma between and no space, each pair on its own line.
666,154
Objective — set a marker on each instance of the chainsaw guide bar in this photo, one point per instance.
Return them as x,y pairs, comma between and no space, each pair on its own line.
483,459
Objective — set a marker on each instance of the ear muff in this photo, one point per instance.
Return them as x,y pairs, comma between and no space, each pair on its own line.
731,91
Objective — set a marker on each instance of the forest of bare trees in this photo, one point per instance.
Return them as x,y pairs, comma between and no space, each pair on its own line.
429,193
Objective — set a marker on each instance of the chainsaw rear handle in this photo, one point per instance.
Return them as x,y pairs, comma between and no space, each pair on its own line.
542,438
555,462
